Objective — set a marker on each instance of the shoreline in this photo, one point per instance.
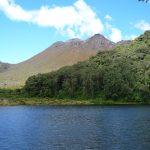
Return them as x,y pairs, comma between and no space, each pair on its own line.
62,102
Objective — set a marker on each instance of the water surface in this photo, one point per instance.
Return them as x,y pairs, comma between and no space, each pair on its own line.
75,128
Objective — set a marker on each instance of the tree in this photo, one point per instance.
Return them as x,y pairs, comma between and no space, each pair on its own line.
144,0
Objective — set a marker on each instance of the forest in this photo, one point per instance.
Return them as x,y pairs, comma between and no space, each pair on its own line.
119,74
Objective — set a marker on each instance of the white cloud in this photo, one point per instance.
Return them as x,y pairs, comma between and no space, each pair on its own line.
14,11
130,37
108,17
133,37
143,25
76,20
115,35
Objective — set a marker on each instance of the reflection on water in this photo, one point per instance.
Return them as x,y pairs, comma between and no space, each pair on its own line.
75,128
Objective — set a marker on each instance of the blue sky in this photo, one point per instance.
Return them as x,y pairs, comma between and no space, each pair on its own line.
28,27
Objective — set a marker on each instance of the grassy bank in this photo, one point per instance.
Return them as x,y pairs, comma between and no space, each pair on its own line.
49,101
9,97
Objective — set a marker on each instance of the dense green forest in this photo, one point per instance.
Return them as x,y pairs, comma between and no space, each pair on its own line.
120,74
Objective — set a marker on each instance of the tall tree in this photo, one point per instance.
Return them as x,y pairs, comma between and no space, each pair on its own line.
144,0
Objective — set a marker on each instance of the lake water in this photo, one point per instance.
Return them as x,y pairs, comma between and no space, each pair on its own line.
75,128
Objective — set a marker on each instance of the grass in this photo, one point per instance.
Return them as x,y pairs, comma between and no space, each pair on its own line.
50,101
9,97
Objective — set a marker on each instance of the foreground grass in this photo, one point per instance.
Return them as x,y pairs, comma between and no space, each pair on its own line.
9,97
50,101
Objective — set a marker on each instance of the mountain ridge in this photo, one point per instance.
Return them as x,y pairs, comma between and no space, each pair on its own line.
122,74
57,55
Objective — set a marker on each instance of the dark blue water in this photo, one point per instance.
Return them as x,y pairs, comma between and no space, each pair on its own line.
75,128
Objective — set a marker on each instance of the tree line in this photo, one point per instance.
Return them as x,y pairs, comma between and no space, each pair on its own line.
120,74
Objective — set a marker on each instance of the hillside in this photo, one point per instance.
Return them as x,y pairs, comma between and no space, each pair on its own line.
4,67
120,74
54,57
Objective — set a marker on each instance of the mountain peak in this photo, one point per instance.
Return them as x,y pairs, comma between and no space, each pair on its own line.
75,42
97,35
122,42
58,43
58,55
98,41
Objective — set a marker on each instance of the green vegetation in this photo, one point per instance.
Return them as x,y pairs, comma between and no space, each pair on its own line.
16,97
121,75
144,0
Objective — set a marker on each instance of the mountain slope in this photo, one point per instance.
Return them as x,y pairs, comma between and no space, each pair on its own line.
56,56
4,67
120,74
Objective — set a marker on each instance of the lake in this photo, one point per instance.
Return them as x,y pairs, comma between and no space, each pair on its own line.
75,128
